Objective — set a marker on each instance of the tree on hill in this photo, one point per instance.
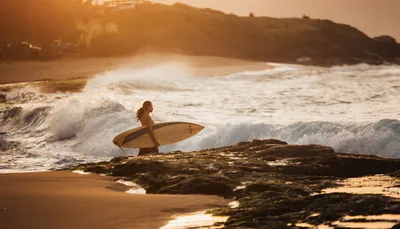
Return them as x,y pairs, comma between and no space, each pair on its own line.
42,20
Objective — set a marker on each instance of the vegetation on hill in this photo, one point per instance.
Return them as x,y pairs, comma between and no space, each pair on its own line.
41,20
189,30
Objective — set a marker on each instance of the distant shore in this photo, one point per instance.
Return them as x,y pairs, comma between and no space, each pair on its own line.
67,200
85,68
181,28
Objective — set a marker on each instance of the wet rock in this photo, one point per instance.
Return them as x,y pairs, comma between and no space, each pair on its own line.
272,180
395,173
290,151
397,226
242,146
99,169
117,160
269,141
248,167
334,206
274,209
274,187
199,185
364,165
139,166
307,159
184,184
258,142
2,98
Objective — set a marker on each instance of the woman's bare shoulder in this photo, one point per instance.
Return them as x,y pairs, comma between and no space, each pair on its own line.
146,119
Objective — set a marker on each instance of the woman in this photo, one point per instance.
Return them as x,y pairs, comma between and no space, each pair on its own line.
143,115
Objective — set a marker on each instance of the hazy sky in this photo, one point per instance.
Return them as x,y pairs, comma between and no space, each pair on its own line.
373,17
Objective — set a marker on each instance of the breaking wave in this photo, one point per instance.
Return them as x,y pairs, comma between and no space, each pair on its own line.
43,131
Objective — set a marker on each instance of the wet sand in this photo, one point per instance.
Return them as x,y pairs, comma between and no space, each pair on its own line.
84,68
68,200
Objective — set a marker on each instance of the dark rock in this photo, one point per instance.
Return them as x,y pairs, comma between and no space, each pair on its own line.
268,141
139,166
2,98
395,174
276,181
305,159
84,166
117,160
99,169
258,142
364,165
337,205
253,167
397,226
199,185
263,188
241,146
274,187
288,151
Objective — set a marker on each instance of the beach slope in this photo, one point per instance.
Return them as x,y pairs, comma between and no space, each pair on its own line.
68,200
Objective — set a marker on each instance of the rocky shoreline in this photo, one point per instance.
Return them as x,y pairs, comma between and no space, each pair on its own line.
277,185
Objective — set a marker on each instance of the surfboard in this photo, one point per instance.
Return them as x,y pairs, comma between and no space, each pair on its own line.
165,132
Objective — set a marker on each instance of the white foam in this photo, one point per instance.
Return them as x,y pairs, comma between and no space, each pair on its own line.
195,220
81,172
352,109
20,171
163,76
380,138
137,189
234,204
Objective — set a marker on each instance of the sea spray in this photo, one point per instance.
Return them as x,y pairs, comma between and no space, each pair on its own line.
350,108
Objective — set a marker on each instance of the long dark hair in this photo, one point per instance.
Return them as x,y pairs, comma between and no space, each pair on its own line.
140,111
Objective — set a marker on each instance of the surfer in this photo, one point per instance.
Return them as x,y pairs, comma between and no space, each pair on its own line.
143,115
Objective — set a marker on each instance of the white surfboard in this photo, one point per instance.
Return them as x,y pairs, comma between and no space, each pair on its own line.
165,133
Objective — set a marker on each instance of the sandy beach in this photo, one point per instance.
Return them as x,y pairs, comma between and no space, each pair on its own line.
49,200
72,74
73,68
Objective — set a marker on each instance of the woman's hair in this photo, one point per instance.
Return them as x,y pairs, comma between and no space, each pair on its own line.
140,112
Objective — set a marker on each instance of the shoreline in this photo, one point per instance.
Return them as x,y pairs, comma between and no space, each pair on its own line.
86,68
271,175
62,199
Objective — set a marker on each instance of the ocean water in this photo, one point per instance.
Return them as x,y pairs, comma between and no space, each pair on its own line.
353,109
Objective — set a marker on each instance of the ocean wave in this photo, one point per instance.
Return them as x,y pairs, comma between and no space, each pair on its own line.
19,119
76,118
24,94
379,138
282,103
10,113
90,128
36,117
163,77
